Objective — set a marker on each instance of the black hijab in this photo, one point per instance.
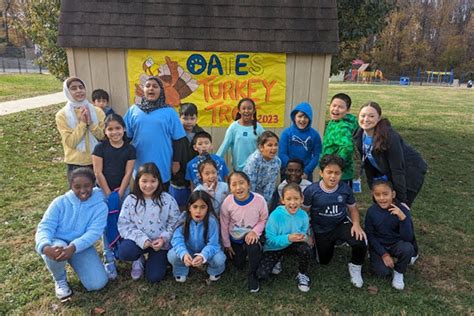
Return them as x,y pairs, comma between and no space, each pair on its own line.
148,106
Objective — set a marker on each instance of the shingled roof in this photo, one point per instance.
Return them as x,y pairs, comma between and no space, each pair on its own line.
289,26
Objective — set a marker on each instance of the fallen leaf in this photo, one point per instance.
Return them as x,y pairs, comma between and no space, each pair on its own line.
98,311
373,290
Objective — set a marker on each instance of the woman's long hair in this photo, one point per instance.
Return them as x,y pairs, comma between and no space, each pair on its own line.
381,130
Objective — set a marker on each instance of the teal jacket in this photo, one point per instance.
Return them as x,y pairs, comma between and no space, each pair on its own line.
280,224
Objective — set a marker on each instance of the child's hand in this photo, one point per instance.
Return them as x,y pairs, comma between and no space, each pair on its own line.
230,252
210,188
87,115
388,261
304,176
394,210
310,241
83,115
52,252
297,237
147,244
251,238
67,253
198,261
157,244
358,232
175,167
188,260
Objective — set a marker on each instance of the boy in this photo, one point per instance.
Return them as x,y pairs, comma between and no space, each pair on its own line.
300,140
202,143
294,174
338,135
334,216
390,232
100,98
179,186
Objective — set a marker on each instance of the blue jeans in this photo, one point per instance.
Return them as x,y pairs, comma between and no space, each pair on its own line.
155,266
86,264
215,265
109,255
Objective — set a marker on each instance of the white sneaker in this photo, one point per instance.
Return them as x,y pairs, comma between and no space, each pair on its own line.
111,270
138,268
277,268
180,279
397,281
62,289
304,282
413,259
356,274
214,278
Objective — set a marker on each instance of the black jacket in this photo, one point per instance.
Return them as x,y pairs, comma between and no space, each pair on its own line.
402,164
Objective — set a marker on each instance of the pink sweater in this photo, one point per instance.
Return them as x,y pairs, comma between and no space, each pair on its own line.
237,220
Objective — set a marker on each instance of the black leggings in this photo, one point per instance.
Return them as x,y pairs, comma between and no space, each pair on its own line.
300,249
325,244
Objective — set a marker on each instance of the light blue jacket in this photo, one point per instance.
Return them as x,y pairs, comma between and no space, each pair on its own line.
280,224
196,243
74,221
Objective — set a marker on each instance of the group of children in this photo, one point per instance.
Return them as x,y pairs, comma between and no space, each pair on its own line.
209,216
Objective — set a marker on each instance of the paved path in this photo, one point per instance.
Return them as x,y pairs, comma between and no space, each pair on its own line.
31,103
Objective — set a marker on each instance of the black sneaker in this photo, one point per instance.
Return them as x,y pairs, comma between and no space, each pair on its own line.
253,284
304,282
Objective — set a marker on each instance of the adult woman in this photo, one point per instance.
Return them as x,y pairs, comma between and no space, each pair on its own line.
155,129
80,124
385,154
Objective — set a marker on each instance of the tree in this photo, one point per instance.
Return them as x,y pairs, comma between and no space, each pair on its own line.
357,20
41,25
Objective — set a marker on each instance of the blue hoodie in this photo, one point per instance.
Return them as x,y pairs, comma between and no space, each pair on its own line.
74,221
304,144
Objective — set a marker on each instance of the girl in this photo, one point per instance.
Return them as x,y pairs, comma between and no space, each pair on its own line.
287,234
146,223
113,161
71,225
80,125
263,165
243,217
389,230
156,131
385,155
241,136
217,190
196,242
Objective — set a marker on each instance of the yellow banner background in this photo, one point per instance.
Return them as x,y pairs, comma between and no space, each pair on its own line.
215,82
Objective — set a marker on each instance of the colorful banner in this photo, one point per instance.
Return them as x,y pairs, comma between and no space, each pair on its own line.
215,82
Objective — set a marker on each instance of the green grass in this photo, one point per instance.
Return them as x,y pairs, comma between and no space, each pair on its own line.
20,86
436,121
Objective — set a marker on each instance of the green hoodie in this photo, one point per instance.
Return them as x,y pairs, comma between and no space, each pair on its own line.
338,140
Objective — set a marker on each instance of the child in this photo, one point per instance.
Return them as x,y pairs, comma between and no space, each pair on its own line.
241,136
216,189
330,202
202,143
294,174
146,224
338,135
300,140
243,217
286,232
263,166
80,124
67,233
100,99
196,241
113,161
179,186
389,229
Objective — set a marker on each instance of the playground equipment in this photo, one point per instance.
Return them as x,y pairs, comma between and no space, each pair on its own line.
440,76
360,73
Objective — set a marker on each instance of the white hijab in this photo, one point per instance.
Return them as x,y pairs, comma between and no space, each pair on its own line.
71,117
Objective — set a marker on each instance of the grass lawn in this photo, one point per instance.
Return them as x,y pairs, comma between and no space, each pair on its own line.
20,86
437,121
